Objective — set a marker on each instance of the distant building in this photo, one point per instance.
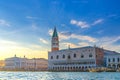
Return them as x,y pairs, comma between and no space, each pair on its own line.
37,64
17,63
2,63
14,63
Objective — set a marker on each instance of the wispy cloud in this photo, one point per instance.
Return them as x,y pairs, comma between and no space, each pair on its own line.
109,43
112,15
98,21
105,42
109,40
66,36
63,25
81,44
31,17
50,32
84,38
43,41
34,26
100,31
4,23
34,46
84,24
79,1
73,45
55,2
81,24
68,44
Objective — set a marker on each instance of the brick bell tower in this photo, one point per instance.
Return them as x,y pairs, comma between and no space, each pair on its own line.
55,41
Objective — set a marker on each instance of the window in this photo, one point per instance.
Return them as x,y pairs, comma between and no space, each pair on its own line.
74,55
90,55
51,57
113,59
53,43
69,57
57,57
82,56
63,56
96,56
89,50
108,60
118,59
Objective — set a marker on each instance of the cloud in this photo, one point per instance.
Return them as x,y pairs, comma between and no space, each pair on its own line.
100,31
109,43
112,15
81,24
31,17
109,40
81,44
68,35
63,25
43,41
105,42
34,46
84,24
55,2
34,26
76,36
73,45
84,38
50,32
4,23
98,21
68,44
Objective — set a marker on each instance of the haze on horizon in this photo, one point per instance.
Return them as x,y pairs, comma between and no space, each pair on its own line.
26,26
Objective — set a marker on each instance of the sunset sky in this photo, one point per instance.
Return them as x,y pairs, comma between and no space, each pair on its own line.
26,26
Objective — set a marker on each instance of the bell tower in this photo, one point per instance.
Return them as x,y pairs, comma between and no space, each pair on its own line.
55,41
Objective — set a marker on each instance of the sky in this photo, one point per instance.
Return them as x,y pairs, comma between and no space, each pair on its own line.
26,26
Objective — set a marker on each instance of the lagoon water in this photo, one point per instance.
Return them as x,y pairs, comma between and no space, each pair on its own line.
59,76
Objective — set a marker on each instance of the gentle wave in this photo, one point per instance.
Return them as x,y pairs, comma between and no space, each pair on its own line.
59,76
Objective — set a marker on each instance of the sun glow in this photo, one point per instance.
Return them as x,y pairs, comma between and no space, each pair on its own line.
9,49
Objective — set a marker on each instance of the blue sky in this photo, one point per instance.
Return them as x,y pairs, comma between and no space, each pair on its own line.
26,25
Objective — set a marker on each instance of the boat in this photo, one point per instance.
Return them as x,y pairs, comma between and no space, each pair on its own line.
97,70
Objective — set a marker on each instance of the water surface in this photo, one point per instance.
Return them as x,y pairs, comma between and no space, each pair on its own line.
59,76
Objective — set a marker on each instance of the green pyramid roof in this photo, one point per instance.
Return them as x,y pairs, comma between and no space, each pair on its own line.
55,33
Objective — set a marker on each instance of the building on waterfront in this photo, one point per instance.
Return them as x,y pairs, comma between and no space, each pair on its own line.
2,63
14,63
79,59
112,59
37,64
17,63
73,59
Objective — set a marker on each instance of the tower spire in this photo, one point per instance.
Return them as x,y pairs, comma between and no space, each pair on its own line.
55,41
55,33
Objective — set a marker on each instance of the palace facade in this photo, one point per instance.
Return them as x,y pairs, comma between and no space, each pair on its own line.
75,59
79,59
